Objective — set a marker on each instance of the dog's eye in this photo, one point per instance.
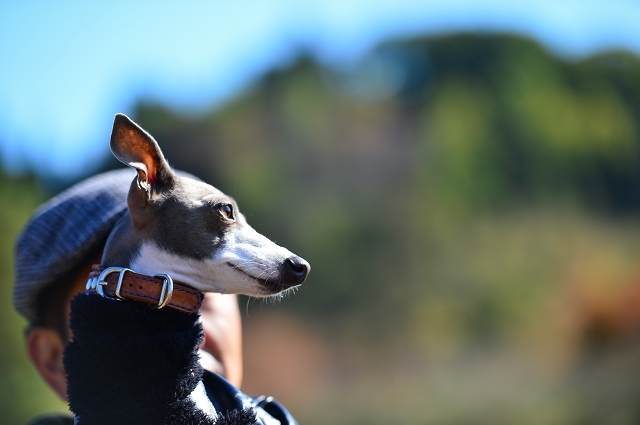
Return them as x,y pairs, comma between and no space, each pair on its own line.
226,210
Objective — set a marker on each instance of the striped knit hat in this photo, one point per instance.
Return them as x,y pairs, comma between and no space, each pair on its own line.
64,231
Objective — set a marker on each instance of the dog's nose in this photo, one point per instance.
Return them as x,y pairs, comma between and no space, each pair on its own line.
296,270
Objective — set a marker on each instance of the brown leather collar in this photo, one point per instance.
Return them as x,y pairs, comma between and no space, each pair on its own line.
159,290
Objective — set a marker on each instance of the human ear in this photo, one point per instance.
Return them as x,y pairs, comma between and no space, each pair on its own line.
45,348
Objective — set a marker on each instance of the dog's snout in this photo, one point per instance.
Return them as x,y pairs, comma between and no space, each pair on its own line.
296,270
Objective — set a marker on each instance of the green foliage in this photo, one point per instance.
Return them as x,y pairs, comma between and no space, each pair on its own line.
22,392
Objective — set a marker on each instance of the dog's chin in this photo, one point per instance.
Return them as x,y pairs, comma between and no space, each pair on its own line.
260,287
269,289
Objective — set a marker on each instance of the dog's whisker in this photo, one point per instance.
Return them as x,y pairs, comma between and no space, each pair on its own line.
247,307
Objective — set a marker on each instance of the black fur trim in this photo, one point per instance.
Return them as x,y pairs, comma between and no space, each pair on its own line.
130,363
238,417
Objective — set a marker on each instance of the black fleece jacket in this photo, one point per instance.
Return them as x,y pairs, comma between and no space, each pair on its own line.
130,363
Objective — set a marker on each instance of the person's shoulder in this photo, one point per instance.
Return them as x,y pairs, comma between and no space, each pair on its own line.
52,419
226,398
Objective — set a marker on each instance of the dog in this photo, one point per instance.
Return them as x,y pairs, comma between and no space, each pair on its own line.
190,230
132,363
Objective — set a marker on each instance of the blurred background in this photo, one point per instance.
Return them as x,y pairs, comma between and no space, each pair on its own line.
463,178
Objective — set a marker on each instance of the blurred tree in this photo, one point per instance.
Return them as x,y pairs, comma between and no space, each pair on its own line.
22,392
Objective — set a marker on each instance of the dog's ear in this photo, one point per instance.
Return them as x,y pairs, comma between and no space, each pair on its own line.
136,148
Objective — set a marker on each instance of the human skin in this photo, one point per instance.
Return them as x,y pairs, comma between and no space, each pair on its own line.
220,352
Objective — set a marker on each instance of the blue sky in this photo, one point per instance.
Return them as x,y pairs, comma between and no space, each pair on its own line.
67,67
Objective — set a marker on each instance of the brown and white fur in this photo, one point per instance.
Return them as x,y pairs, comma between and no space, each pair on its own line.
190,230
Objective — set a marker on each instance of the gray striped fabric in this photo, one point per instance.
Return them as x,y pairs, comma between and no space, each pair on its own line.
63,231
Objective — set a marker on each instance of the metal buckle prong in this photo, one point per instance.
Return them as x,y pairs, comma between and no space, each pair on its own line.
103,276
167,290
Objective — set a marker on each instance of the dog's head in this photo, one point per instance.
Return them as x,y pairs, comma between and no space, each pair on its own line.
189,229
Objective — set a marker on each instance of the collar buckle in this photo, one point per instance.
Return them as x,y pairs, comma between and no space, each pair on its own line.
167,290
97,283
